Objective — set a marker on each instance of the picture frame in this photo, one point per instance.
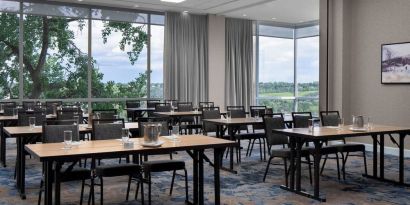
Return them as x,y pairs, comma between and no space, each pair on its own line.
395,63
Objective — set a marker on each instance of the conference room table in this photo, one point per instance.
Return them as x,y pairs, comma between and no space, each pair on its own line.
231,125
196,144
23,135
319,135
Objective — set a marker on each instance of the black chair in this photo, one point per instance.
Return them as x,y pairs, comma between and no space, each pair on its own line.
106,113
276,121
187,122
160,165
162,107
51,106
23,118
132,104
70,115
29,104
206,104
301,120
53,132
152,103
104,129
256,111
171,102
209,113
331,118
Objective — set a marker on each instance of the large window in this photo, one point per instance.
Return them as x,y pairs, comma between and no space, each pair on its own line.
9,50
288,68
56,61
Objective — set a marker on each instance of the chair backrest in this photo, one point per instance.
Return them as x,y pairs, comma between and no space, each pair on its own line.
69,115
171,102
106,113
185,106
104,129
23,118
145,120
236,111
301,119
210,113
51,106
152,103
274,121
29,104
269,111
162,107
132,103
9,104
329,118
260,110
53,131
206,104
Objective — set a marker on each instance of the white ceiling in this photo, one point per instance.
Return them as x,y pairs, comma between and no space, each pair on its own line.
286,11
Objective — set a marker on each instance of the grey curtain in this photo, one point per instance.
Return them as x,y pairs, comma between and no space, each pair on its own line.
239,62
186,57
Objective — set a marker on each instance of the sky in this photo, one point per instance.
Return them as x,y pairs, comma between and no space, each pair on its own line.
113,62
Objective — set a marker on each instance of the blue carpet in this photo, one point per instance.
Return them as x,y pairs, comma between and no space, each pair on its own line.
244,188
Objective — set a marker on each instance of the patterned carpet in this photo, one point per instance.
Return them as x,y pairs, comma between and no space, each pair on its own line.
244,188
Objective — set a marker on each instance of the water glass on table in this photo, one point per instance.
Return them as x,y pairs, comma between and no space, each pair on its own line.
125,135
175,133
68,139
32,122
341,123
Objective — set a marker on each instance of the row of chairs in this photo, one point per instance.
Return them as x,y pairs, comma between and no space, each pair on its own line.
104,129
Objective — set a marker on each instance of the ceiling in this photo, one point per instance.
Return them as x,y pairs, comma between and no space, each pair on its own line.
285,11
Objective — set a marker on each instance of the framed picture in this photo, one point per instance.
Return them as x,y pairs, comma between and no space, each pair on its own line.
395,65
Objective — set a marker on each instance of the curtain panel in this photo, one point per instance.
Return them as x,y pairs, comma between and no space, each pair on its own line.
239,72
186,57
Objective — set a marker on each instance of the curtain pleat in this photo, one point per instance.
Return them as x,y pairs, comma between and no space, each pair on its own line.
239,89
186,57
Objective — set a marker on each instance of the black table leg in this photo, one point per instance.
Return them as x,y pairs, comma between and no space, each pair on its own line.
381,156
374,155
292,144
201,177
232,137
57,183
195,175
299,144
318,156
401,158
2,146
21,167
48,194
217,158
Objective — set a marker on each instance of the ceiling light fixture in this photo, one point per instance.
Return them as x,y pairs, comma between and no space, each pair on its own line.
273,18
173,1
136,5
244,15
80,0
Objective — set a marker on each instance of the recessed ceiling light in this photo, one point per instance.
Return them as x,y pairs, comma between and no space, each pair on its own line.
136,5
273,18
244,15
80,0
185,12
173,1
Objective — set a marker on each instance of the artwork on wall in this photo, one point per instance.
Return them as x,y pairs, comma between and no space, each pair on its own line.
395,65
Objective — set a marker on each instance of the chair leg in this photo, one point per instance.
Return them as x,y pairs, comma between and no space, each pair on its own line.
172,182
186,185
40,192
128,187
101,191
82,191
247,149
344,165
323,165
260,148
149,188
250,151
136,191
337,165
310,169
365,162
286,171
264,149
267,168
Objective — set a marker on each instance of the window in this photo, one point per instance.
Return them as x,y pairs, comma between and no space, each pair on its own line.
9,50
56,62
288,68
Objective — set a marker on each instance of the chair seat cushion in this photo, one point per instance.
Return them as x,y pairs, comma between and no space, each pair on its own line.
250,135
285,152
117,170
77,173
350,147
163,165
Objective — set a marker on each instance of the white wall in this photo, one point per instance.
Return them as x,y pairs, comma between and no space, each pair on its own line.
358,28
216,58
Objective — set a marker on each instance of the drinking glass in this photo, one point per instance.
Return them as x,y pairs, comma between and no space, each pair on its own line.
228,115
257,114
125,135
15,112
341,123
311,125
32,122
68,138
369,124
175,132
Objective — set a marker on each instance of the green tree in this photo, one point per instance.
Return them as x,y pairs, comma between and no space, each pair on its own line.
54,66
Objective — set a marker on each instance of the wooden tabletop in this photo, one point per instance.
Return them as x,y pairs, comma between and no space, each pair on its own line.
140,109
235,121
37,130
114,147
345,131
8,118
179,114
